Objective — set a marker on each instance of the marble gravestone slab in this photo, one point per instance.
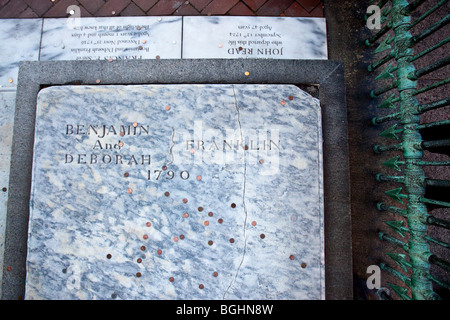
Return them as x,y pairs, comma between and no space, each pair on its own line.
111,38
19,41
7,103
176,192
254,37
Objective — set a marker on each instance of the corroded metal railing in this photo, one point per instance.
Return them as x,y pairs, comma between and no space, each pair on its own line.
402,79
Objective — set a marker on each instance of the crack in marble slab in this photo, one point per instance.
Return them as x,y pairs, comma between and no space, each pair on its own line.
243,197
258,276
171,147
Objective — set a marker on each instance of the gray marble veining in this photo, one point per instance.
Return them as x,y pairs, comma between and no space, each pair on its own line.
176,192
19,41
111,38
254,37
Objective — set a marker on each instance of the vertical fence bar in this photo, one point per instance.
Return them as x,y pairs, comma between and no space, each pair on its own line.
412,146
413,173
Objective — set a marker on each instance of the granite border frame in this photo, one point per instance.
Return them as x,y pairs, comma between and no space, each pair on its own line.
328,74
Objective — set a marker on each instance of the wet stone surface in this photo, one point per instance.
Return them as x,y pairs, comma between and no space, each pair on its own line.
117,210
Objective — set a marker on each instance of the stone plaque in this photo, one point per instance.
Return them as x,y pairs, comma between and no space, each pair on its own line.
176,192
254,37
111,38
19,41
49,249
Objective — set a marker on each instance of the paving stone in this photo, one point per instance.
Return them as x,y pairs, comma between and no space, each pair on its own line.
12,9
59,10
165,7
3,2
28,13
111,6
254,4
145,4
132,10
318,11
39,6
274,7
309,5
296,10
186,9
84,12
92,5
199,4
219,7
241,10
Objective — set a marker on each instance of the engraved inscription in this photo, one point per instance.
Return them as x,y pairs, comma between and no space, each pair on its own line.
105,131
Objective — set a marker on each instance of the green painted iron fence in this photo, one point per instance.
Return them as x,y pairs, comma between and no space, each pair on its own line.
400,121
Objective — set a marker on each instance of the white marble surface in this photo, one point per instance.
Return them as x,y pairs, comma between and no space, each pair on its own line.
83,208
19,41
116,38
7,103
254,37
